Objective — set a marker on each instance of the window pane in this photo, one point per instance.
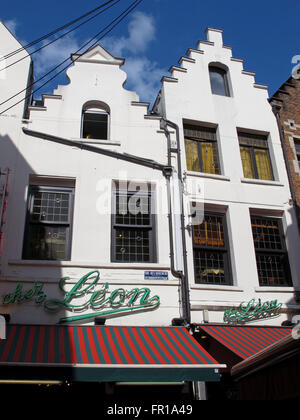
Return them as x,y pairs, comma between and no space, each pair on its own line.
263,164
210,158
203,140
192,160
266,234
50,207
255,140
218,81
211,258
272,263
132,245
133,209
209,267
272,269
199,132
95,126
210,233
247,162
47,242
47,233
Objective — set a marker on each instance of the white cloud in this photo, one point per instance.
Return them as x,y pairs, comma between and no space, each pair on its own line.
54,54
143,77
141,31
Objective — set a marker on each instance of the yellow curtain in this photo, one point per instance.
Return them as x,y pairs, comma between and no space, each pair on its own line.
209,234
191,152
263,164
209,158
247,163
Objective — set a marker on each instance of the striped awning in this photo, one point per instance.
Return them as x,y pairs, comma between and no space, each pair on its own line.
246,341
107,354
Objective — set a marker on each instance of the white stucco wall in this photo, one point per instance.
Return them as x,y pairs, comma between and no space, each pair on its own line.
95,76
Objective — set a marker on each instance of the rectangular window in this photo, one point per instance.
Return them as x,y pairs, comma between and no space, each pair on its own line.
201,149
271,255
95,124
255,156
48,223
211,253
297,147
133,227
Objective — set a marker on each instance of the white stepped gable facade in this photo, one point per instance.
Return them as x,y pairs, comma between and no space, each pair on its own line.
67,208
59,219
247,247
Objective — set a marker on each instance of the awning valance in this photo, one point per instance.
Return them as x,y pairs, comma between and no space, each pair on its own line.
107,354
246,341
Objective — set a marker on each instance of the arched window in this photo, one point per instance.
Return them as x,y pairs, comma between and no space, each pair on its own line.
219,81
95,121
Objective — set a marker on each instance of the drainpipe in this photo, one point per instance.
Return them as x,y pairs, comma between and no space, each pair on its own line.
276,109
180,239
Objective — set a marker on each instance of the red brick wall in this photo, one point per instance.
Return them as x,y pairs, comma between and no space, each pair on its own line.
290,123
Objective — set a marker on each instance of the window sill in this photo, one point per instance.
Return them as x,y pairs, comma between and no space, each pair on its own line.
216,287
95,141
273,289
219,95
261,182
95,265
205,175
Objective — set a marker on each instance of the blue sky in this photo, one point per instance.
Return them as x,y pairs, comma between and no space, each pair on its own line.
264,33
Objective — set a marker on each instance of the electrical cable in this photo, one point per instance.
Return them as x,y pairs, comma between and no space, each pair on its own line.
121,17
37,41
60,37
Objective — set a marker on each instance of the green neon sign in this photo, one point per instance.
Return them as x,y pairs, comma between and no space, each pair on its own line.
251,311
20,296
101,301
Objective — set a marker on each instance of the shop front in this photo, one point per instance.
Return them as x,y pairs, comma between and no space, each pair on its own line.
97,337
257,354
271,374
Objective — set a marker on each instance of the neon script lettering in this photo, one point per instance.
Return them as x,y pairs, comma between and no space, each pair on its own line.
250,311
83,296
20,296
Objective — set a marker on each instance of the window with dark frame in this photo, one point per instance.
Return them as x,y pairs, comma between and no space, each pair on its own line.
219,81
48,223
255,156
95,124
271,254
133,227
201,149
211,251
297,147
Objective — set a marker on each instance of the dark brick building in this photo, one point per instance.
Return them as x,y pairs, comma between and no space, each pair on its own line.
286,106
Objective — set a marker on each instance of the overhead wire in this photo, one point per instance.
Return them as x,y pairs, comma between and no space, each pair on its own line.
113,24
61,36
37,41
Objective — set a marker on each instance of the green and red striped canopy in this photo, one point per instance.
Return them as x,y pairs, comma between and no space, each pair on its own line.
110,353
246,341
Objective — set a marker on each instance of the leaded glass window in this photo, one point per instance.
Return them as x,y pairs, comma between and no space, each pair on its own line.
133,227
48,223
271,256
211,253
